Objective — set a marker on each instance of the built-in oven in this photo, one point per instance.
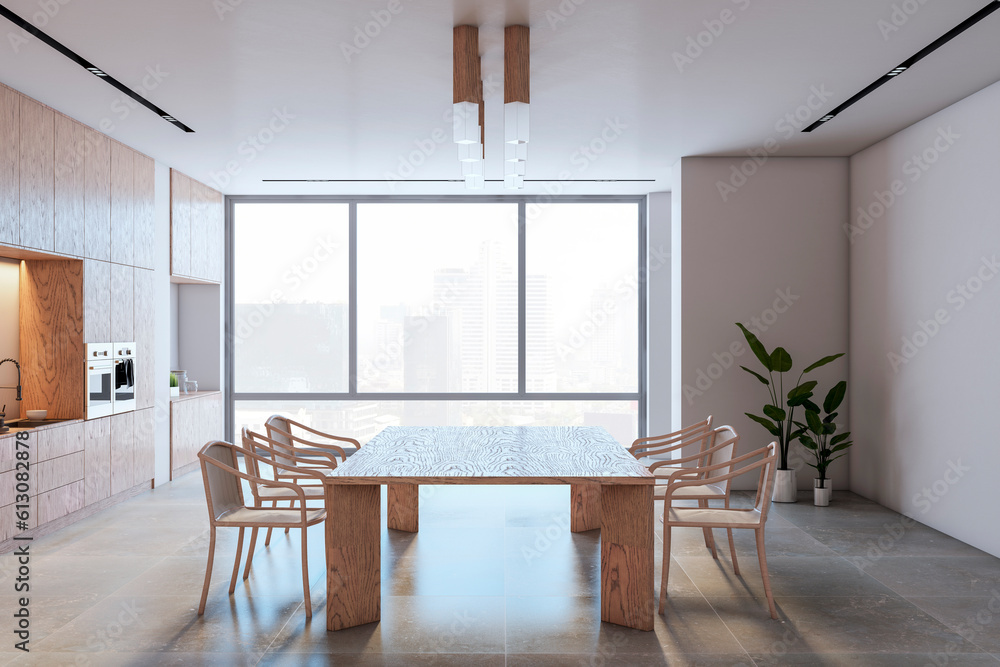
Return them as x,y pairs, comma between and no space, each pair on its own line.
124,380
100,367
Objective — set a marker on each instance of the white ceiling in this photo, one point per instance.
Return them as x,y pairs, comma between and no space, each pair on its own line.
592,62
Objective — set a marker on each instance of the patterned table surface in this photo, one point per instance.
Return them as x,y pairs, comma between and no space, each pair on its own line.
492,455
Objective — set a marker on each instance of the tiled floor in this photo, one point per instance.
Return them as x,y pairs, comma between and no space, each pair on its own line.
495,578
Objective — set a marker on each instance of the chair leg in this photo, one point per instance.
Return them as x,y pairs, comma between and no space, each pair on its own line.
305,574
236,565
291,505
732,552
253,543
267,540
208,572
665,573
762,557
709,537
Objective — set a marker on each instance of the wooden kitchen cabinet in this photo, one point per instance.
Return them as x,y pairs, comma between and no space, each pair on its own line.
145,339
197,230
122,452
96,302
36,169
70,187
144,450
144,186
195,419
97,199
122,305
10,155
180,224
200,241
122,204
97,460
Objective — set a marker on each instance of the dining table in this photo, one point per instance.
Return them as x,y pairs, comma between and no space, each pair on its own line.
610,490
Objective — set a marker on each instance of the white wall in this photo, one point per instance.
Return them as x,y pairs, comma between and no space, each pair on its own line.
658,325
927,443
10,340
199,327
775,244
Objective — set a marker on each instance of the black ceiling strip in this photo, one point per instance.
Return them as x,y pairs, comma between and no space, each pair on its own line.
90,67
452,180
910,62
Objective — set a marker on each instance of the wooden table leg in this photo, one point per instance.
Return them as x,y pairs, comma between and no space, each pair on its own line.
584,507
404,507
353,555
627,543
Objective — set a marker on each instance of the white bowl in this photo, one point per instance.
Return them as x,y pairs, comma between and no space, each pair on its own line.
37,415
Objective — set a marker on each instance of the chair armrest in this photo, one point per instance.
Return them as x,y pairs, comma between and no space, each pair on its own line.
330,436
318,447
673,485
694,457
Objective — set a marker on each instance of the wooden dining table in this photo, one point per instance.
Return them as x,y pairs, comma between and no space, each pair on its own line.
609,489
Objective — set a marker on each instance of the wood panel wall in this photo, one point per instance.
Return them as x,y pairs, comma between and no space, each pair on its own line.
10,202
197,230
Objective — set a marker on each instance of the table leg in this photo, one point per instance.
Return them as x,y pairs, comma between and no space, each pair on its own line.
353,555
627,543
584,507
404,507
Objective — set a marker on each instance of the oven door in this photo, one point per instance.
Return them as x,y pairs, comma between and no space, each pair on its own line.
124,383
100,389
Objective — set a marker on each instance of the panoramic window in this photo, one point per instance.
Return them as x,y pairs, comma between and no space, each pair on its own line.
355,315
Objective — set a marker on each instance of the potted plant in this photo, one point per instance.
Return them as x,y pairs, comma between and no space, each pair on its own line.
816,437
175,389
779,413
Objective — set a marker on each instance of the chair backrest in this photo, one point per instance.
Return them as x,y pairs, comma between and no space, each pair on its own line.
699,433
223,490
277,427
765,484
724,449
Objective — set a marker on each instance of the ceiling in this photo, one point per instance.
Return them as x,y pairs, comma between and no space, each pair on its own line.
231,68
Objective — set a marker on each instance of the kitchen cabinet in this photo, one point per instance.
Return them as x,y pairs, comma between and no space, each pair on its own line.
144,186
10,154
145,339
96,302
97,459
200,242
197,230
195,419
122,204
122,303
144,448
70,187
180,224
36,169
122,452
97,198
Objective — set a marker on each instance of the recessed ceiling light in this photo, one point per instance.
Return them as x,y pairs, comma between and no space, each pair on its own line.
910,62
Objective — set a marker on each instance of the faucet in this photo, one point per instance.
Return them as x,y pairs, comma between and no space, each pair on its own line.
18,387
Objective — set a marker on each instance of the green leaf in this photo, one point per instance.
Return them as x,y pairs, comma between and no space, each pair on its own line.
808,442
829,429
758,376
801,400
823,362
829,418
775,413
771,428
802,390
835,397
809,405
781,361
840,438
757,347
815,425
841,446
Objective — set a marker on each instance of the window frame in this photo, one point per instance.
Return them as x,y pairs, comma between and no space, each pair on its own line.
523,202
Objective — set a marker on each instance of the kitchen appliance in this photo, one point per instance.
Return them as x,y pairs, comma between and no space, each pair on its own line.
124,379
100,369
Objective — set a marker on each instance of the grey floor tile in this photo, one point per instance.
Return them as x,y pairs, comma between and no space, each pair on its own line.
938,576
873,660
623,660
975,619
112,659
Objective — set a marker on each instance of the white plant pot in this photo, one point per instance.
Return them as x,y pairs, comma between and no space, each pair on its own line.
175,391
821,496
785,488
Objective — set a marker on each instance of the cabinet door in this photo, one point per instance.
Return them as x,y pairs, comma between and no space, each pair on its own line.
180,224
183,433
70,187
145,339
97,200
145,221
37,175
212,419
143,459
122,303
217,238
200,214
122,208
96,302
10,170
97,460
122,448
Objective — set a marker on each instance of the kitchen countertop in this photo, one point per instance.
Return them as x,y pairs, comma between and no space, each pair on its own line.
34,429
197,394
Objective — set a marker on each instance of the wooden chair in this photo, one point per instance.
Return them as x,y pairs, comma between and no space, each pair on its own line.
285,431
696,517
288,455
228,509
699,433
724,441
